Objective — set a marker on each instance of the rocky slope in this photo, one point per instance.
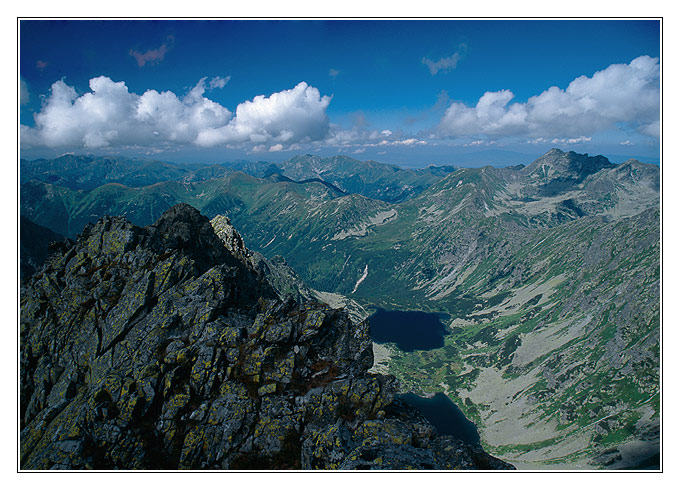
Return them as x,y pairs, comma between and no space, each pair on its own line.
166,347
275,271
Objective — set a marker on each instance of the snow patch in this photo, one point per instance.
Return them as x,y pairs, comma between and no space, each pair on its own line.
361,279
270,242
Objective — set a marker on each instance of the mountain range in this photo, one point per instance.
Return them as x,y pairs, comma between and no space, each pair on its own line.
549,274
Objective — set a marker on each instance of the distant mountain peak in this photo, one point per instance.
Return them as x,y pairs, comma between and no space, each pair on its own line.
632,161
556,164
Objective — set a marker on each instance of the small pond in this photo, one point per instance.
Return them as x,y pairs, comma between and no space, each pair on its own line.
445,415
410,330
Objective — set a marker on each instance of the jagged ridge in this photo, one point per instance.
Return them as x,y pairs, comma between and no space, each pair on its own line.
161,348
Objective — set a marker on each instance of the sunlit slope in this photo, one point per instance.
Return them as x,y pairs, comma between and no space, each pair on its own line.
556,356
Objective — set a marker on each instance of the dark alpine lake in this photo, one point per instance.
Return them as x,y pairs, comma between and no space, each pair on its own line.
410,330
445,415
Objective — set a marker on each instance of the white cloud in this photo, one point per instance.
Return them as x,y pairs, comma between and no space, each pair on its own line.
218,82
626,143
444,64
110,116
571,141
618,94
292,116
404,142
360,137
358,134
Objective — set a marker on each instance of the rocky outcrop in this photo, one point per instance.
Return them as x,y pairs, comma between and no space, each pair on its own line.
557,164
162,348
275,271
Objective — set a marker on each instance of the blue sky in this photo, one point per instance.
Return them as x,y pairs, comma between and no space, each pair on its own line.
405,92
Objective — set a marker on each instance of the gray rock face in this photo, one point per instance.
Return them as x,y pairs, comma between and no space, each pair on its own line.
274,271
161,348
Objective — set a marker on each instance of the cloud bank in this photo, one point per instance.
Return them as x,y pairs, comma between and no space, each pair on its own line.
623,97
111,116
622,94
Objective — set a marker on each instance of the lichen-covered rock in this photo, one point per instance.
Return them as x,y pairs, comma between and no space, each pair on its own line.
162,348
274,271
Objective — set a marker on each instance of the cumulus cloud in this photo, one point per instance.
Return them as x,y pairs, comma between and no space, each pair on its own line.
444,64
152,55
621,93
292,116
111,116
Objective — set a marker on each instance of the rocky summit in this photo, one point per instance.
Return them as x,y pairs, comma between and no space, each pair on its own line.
166,347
